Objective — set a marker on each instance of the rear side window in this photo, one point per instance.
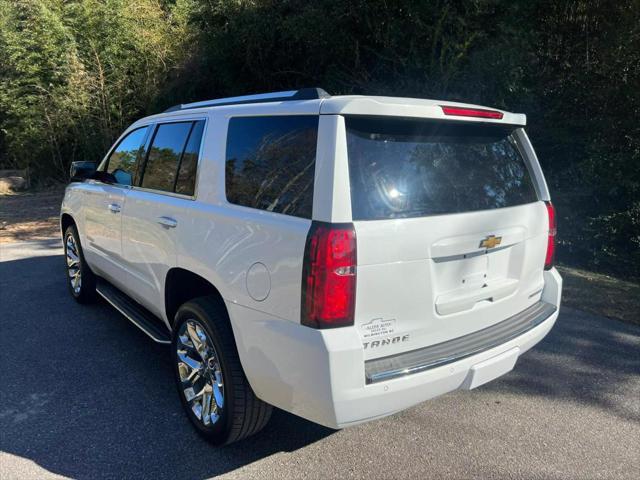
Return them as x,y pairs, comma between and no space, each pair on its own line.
270,163
402,168
122,161
173,157
186,181
164,155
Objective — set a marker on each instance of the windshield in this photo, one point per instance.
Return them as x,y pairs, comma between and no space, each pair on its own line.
402,168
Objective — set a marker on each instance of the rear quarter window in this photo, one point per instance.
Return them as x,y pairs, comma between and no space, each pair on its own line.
270,163
402,168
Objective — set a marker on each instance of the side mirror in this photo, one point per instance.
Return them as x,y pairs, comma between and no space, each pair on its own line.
104,177
80,171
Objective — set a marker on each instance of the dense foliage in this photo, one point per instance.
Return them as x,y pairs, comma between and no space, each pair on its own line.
73,74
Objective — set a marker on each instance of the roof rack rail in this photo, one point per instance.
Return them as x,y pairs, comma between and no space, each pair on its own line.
286,96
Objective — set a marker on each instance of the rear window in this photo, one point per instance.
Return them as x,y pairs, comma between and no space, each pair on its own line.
270,163
401,168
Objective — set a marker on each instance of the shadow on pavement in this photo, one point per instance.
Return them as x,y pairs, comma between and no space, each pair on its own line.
585,359
85,394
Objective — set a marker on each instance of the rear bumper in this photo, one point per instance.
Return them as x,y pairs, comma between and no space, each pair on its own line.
381,399
321,375
427,358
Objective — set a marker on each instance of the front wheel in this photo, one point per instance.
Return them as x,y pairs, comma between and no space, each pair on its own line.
211,383
80,279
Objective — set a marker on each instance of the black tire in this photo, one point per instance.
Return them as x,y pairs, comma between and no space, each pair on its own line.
86,292
242,413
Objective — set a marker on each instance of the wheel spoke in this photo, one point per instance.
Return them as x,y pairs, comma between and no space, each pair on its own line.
199,371
188,361
218,378
206,405
189,394
197,410
71,256
188,375
196,340
71,248
187,348
201,402
185,341
218,395
194,376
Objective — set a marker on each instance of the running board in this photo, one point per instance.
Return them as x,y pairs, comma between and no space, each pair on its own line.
132,310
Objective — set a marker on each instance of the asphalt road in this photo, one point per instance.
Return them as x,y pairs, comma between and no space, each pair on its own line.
84,394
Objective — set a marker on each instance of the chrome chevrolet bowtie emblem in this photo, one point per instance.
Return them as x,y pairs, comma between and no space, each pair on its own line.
490,242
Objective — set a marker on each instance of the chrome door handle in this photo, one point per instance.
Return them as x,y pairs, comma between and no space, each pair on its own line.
114,208
167,222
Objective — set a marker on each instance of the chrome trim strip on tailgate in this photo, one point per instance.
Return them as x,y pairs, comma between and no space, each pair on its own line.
386,368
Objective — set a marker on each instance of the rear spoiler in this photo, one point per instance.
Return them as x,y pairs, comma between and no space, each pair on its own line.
417,108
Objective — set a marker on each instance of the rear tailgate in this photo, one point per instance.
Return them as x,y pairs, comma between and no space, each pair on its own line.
451,234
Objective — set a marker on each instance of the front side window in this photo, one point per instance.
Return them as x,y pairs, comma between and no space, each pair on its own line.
270,163
122,161
403,168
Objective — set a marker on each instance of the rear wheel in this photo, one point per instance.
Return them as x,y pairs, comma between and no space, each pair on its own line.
80,279
211,383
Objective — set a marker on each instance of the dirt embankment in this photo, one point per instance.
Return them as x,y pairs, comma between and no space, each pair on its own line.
31,215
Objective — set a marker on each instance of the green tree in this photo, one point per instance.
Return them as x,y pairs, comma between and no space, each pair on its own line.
75,73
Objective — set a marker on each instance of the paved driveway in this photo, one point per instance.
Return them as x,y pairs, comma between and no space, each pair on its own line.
84,394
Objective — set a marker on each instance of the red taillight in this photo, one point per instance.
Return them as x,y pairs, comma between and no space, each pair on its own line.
471,112
329,276
551,240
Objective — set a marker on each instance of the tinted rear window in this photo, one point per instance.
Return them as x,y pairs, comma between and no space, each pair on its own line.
410,168
270,163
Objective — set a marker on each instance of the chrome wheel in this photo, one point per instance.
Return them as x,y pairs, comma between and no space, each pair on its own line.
200,372
73,264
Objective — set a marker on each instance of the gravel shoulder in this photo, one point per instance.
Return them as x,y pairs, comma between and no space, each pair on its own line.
31,215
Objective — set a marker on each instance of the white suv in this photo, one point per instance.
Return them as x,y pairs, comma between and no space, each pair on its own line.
341,258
